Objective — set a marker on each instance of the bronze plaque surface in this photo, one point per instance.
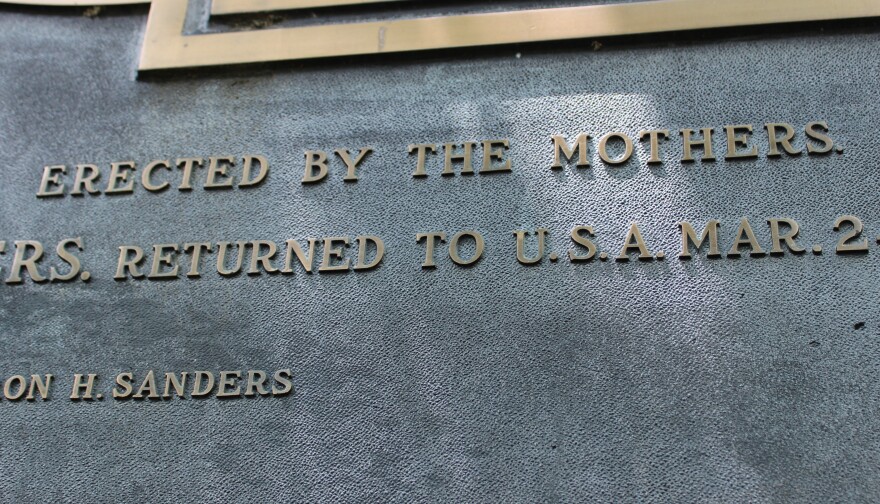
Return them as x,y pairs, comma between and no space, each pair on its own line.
403,251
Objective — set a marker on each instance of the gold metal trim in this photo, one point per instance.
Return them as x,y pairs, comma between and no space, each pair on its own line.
221,7
166,47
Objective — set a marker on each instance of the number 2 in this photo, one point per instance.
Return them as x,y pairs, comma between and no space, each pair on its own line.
846,243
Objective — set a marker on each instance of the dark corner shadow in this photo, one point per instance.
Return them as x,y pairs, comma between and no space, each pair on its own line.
88,13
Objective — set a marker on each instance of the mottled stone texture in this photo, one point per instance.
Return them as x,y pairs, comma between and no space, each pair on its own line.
751,380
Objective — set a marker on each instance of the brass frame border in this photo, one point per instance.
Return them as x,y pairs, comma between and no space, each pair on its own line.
222,7
166,47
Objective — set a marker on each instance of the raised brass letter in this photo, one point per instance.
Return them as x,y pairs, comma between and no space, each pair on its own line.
123,380
331,251
29,263
478,243
429,246
293,247
172,381
777,238
256,384
654,136
228,379
745,236
72,260
812,131
132,264
785,140
465,158
84,180
421,150
163,255
628,148
494,150
148,387
119,173
520,246
86,387
217,170
41,386
20,385
315,160
283,377
187,165
689,236
51,177
734,142
148,172
246,180
561,148
362,264
260,258
578,237
200,390
634,242
222,247
197,249
350,175
689,142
